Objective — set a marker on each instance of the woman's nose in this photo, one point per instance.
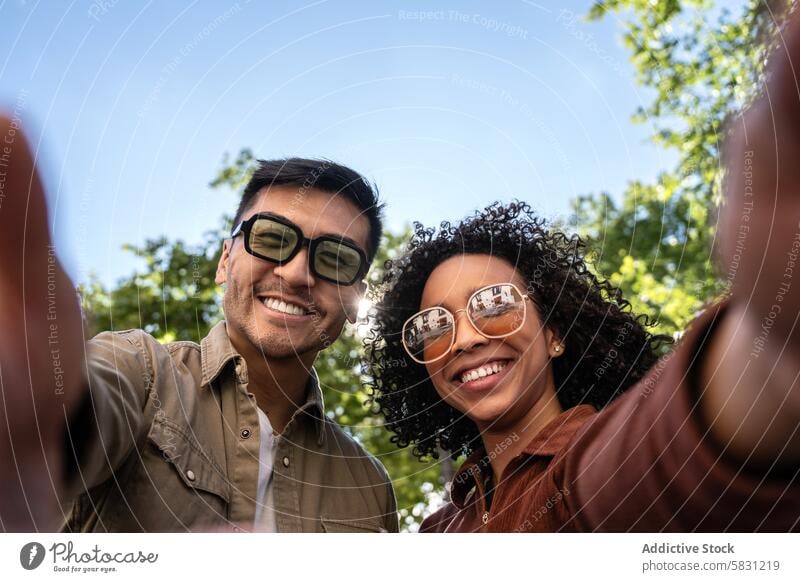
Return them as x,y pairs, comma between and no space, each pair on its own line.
466,336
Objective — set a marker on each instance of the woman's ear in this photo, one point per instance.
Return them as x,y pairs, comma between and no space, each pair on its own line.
555,346
351,308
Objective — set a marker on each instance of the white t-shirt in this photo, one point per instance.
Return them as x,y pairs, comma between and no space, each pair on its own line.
265,506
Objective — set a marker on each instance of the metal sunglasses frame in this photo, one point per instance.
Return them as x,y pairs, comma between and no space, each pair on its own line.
452,315
245,228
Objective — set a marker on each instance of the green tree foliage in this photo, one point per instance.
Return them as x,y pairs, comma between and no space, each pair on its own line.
703,62
173,296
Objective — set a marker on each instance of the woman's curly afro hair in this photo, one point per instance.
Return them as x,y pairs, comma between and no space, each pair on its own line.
607,348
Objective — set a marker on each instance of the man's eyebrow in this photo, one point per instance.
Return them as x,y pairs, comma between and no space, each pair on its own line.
343,238
336,235
346,239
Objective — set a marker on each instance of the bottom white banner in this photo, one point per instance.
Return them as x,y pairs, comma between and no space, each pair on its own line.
353,557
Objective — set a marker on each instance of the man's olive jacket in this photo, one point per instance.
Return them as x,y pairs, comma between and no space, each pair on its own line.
168,440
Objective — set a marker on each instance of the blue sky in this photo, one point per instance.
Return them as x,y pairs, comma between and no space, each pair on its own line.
447,106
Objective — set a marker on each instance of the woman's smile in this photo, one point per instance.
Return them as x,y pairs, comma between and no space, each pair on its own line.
483,377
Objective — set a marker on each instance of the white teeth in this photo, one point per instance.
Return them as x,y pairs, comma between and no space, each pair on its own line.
482,371
283,307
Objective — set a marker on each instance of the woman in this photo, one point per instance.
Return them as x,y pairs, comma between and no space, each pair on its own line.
510,345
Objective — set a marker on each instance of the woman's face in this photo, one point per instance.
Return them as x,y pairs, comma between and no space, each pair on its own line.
520,377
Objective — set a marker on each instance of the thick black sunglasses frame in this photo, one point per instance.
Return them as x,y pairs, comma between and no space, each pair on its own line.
245,227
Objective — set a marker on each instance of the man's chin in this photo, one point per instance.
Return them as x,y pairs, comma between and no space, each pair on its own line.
284,349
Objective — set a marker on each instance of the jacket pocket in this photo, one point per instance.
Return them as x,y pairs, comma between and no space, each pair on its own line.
333,525
195,467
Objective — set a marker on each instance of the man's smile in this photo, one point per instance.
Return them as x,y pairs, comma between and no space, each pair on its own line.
286,310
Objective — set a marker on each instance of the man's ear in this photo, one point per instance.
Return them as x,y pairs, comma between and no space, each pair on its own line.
222,266
351,309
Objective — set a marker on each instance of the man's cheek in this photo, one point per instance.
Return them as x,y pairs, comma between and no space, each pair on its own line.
325,336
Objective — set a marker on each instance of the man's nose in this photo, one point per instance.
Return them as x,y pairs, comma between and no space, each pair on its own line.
296,272
466,336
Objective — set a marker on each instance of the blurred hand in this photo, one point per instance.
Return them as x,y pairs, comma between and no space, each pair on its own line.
752,396
41,345
759,233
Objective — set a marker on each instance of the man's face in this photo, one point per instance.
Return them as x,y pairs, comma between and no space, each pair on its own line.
256,319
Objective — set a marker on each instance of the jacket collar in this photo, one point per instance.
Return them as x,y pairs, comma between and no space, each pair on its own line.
557,434
216,352
548,442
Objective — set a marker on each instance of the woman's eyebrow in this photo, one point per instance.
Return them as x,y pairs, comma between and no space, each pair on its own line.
469,294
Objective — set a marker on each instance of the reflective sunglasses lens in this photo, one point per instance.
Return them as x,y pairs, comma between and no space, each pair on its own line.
338,262
272,240
428,334
497,311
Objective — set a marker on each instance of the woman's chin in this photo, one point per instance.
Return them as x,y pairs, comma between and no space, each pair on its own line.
489,415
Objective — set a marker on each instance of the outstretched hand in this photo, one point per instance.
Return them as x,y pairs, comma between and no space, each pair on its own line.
752,396
41,344
760,223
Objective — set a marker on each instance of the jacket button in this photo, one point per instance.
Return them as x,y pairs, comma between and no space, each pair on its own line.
245,433
286,461
190,475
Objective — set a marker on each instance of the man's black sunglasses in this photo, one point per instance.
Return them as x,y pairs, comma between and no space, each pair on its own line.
275,239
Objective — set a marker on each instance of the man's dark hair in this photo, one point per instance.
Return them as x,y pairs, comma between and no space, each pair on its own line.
323,175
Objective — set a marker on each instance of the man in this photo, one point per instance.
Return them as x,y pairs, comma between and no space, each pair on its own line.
230,433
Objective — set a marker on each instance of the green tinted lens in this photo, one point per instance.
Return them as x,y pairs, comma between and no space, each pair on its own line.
429,334
337,261
272,240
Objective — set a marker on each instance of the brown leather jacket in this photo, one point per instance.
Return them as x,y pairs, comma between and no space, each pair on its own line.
644,463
